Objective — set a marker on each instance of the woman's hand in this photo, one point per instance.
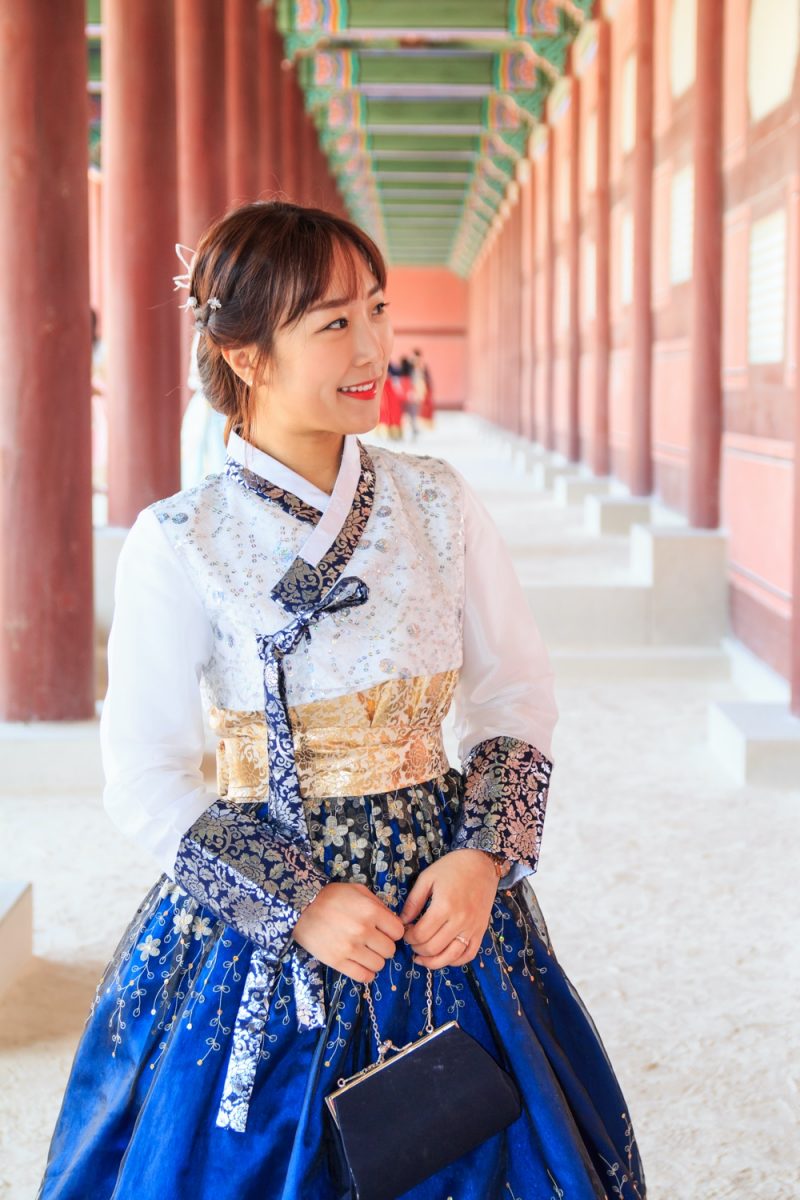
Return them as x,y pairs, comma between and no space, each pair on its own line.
462,885
348,928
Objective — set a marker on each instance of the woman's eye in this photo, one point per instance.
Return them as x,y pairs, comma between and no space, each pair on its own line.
382,304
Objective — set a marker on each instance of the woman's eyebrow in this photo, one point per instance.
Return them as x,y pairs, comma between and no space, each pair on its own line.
342,300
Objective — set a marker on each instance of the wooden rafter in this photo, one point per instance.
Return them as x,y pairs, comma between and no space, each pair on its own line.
424,111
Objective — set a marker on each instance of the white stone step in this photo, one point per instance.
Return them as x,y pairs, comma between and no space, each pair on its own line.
591,615
687,571
526,456
675,595
569,489
545,473
16,929
756,742
51,756
614,663
605,514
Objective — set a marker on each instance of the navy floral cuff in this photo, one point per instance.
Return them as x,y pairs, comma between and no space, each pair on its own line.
506,782
254,879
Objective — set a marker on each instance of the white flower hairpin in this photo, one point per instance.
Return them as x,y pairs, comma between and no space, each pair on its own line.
184,281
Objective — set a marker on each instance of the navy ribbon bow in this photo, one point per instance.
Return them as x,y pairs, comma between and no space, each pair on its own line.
285,801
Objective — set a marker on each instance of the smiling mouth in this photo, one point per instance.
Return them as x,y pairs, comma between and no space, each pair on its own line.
359,388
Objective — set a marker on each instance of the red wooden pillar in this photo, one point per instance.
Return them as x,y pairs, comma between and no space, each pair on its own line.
538,176
706,315
473,330
301,159
491,328
472,327
270,52
794,649
199,57
487,365
142,309
202,180
487,336
324,185
288,144
47,647
341,204
515,300
473,382
550,293
331,190
319,189
573,266
241,99
501,341
505,338
602,237
794,666
511,305
497,328
526,360
309,142
320,170
482,337
641,466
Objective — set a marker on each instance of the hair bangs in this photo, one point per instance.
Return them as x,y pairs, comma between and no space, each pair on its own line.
324,255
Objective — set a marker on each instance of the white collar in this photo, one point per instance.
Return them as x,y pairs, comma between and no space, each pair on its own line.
276,472
334,508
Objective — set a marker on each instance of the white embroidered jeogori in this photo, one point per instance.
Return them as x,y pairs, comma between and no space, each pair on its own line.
203,576
334,507
337,531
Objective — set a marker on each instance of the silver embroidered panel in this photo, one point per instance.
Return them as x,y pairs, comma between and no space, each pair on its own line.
236,546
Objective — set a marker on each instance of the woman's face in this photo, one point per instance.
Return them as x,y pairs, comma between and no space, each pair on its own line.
334,346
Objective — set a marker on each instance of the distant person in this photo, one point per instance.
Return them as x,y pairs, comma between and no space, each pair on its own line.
392,403
426,406
411,393
420,376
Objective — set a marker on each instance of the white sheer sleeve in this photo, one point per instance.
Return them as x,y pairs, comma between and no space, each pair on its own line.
151,726
504,705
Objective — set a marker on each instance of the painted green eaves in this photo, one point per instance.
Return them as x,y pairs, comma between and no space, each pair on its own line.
424,108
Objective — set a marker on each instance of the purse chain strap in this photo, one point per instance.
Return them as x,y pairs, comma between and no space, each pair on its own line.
388,1044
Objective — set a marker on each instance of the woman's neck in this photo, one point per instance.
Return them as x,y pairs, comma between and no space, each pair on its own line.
316,456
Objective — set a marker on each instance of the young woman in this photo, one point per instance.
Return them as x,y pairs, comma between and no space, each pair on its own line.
325,602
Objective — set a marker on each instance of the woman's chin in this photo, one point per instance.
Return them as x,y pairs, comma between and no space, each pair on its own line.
362,418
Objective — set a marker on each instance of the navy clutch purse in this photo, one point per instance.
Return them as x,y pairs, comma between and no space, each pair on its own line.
404,1117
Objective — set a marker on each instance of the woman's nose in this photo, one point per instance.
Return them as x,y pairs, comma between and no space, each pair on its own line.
368,345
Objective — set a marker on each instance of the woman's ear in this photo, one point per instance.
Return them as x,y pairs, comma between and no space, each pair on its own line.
239,361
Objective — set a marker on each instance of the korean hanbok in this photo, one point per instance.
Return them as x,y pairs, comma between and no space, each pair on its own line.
323,638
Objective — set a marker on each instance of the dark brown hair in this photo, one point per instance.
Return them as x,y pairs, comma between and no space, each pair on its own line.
267,263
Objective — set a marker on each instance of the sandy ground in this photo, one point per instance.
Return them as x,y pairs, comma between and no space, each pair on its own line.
669,895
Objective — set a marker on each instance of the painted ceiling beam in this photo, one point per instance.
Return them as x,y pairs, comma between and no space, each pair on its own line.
424,110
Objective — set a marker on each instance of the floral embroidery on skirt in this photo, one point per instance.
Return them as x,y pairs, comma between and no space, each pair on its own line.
139,1114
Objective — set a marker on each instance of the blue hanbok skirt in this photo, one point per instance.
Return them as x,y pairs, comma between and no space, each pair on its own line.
139,1117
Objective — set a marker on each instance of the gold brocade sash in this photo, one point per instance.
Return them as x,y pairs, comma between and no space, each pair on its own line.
386,737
